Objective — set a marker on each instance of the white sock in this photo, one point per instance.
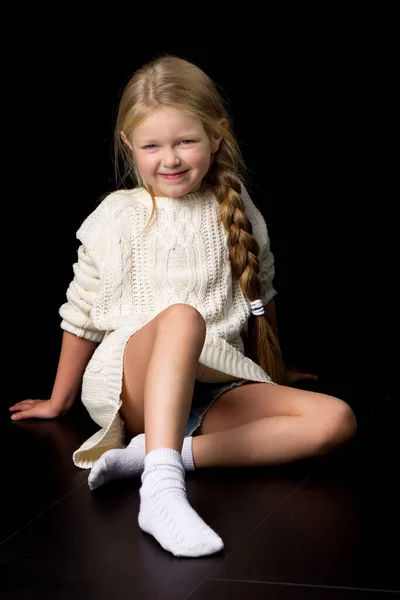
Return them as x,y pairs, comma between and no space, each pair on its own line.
129,462
165,512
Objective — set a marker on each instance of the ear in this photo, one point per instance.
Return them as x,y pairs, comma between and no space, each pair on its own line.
125,139
216,139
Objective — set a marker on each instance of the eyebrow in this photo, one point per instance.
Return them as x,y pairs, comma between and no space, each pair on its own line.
186,135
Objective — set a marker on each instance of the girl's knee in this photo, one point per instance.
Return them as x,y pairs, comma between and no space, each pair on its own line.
178,315
339,425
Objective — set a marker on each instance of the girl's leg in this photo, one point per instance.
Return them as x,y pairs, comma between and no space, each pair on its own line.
263,424
160,364
150,384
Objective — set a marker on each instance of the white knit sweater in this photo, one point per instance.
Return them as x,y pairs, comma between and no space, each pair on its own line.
123,280
182,258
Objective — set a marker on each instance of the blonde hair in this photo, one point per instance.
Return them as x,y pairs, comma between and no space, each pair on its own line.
173,81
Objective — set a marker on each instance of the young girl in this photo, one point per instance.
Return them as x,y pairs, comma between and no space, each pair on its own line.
158,325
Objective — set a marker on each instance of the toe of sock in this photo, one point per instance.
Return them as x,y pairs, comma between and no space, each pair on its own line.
200,549
92,483
95,478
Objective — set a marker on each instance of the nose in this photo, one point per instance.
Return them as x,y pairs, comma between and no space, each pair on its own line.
170,158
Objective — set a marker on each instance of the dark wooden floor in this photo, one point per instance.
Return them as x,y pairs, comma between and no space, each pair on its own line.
320,529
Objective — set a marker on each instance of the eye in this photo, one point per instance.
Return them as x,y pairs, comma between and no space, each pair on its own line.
187,142
149,147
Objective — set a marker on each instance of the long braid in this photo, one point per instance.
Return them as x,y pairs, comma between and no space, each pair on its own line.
243,253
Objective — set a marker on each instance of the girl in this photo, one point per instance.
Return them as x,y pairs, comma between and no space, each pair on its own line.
158,324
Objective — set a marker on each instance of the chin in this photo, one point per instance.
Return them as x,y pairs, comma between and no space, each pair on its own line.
175,192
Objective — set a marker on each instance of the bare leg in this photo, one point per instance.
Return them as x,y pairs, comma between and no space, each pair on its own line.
170,381
160,364
264,424
259,444
165,511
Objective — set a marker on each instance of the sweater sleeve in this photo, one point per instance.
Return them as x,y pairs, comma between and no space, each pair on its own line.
266,257
82,291
81,294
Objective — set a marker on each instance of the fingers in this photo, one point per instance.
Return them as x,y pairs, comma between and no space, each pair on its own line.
293,377
304,377
22,405
295,374
24,409
307,376
23,414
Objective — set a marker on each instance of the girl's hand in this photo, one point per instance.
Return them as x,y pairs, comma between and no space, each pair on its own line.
40,409
293,375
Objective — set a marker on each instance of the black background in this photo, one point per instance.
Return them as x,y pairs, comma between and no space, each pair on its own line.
313,107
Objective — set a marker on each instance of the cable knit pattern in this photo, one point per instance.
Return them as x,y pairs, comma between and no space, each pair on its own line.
122,280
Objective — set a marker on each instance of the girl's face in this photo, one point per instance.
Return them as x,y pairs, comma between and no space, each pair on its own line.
172,151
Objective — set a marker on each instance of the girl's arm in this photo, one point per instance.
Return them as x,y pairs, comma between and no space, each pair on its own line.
74,357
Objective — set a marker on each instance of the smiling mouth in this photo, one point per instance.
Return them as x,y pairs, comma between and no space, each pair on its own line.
172,176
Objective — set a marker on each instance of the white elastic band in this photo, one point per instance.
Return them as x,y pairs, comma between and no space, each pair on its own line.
257,307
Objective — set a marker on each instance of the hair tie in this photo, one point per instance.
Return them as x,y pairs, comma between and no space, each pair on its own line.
257,307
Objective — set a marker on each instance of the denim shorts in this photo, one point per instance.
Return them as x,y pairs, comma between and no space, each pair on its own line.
204,396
